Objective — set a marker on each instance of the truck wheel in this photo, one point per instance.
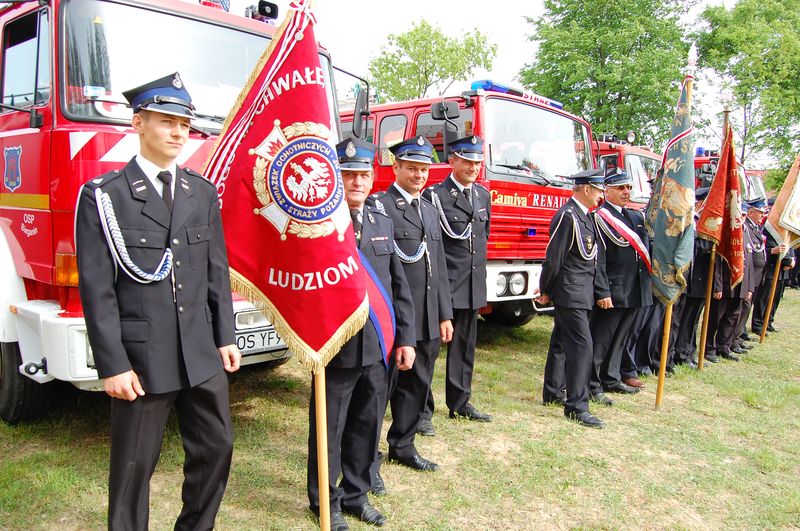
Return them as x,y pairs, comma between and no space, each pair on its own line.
20,398
511,314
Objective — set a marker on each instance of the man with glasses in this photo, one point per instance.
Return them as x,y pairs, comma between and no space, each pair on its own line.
622,281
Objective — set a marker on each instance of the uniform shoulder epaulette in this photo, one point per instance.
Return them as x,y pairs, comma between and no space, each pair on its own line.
103,179
376,210
378,195
481,187
199,176
435,186
426,199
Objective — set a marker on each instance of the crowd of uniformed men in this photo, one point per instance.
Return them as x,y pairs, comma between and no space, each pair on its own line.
164,339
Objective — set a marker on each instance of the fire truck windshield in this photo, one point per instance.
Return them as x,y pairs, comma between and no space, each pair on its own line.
108,49
529,143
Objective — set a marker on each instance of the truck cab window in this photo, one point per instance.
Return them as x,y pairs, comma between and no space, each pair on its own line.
26,68
433,130
393,130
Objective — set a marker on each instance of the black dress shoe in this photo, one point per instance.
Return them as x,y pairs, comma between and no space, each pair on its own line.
711,358
426,428
729,356
338,523
471,413
739,350
416,461
771,328
619,387
585,418
745,346
366,513
601,398
747,337
378,486
645,371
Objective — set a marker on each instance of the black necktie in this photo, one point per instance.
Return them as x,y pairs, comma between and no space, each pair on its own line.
166,178
354,214
468,195
415,207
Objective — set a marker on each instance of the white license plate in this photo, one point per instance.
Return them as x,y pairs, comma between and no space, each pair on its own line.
257,341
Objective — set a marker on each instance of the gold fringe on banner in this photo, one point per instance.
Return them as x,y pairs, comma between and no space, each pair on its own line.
310,359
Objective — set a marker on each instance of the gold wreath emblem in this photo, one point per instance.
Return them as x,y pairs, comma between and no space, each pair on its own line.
301,230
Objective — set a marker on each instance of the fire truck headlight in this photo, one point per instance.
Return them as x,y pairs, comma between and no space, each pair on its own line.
517,283
501,283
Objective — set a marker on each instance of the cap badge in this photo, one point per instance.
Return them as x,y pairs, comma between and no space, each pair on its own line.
474,140
350,150
176,82
420,141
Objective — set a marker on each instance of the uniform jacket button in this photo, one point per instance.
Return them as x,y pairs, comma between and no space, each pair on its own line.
180,286
176,241
142,240
180,309
178,263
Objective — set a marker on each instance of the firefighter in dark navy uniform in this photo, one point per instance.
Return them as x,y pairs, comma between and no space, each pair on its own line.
568,282
755,246
156,295
464,208
623,279
355,380
420,248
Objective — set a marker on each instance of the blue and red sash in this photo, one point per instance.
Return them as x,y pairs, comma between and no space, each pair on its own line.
381,311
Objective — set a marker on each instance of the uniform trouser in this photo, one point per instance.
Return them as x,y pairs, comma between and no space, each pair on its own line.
761,298
609,328
741,324
575,339
461,358
638,329
722,325
137,430
648,348
686,339
554,378
354,397
408,399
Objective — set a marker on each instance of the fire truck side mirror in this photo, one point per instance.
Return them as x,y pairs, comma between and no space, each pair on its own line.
359,113
445,110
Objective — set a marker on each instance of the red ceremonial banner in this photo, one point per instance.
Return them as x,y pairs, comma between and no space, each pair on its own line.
290,244
721,218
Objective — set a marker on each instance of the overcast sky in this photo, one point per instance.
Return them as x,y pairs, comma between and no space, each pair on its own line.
353,31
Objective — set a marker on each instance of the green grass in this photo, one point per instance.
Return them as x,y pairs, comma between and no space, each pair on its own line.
722,451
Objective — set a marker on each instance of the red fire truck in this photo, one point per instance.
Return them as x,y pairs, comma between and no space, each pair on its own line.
63,121
705,168
639,162
531,143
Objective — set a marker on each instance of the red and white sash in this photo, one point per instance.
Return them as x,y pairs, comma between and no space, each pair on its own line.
630,236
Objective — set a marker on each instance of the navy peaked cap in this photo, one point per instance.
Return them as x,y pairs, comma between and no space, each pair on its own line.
415,149
355,154
469,147
166,95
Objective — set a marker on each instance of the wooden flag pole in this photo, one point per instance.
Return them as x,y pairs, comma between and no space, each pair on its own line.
768,311
662,366
704,330
322,449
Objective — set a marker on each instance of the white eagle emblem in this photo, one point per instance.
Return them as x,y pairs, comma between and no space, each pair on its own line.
313,185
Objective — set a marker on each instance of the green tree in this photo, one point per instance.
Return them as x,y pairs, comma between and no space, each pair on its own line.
756,46
423,58
618,64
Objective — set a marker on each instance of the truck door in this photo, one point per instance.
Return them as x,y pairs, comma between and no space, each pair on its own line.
24,144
